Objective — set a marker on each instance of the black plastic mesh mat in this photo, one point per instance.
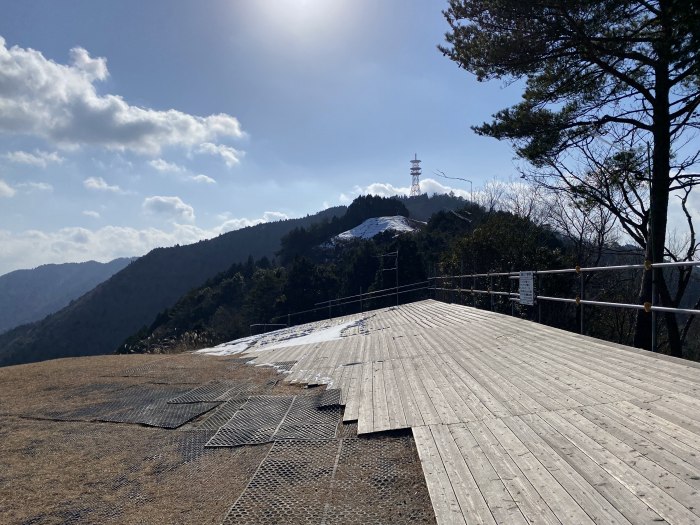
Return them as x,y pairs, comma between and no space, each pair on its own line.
329,398
255,422
144,404
305,432
284,366
379,480
344,481
222,414
212,391
306,420
160,414
271,418
150,369
291,486
347,429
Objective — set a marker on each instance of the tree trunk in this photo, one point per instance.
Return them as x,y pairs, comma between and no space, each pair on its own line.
658,213
642,326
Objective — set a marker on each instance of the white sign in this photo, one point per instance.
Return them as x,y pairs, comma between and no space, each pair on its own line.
527,288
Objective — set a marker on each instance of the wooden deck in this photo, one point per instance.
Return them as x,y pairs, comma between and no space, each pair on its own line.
517,422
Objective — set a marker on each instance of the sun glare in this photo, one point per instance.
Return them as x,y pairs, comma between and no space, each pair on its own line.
304,20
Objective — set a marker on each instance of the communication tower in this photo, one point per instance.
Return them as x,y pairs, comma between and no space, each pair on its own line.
415,176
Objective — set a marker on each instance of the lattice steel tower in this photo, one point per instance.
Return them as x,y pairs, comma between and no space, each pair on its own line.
415,176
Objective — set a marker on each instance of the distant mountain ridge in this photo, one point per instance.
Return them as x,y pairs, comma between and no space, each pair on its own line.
30,295
101,319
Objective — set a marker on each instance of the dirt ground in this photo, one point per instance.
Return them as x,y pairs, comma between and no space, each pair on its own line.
65,457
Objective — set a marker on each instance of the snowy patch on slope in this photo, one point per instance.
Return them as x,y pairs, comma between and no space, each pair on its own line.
293,336
375,226
317,336
230,348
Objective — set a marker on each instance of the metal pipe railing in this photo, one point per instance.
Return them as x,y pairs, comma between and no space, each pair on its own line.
578,301
341,301
516,275
369,293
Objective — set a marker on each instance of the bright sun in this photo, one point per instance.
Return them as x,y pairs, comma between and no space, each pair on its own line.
303,19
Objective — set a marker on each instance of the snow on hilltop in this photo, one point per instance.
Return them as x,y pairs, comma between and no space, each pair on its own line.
375,226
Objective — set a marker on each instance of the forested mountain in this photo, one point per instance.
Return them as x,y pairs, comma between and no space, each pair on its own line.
472,240
226,306
29,295
423,207
307,241
101,319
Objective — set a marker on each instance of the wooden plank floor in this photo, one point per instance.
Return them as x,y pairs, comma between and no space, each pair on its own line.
517,422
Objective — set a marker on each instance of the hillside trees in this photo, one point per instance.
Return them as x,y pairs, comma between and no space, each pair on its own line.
623,73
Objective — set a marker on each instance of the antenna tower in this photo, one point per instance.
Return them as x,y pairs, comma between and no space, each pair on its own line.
415,176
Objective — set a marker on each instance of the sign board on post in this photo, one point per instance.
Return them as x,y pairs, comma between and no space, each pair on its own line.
527,288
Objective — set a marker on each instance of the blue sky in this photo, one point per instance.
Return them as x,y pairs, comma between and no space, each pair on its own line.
126,125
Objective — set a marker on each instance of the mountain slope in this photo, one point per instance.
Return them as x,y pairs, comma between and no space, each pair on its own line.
100,320
29,295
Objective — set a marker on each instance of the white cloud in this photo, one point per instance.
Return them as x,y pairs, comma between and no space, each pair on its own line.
230,156
99,184
202,178
39,158
385,189
91,213
31,248
169,167
36,186
59,103
236,224
6,190
171,207
273,216
165,166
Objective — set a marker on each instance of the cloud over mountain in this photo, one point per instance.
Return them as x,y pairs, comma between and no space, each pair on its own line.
171,207
76,244
385,189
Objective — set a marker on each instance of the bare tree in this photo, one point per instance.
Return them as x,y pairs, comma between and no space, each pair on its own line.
590,229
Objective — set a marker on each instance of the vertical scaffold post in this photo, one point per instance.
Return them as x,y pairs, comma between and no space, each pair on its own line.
461,279
654,274
539,303
580,274
397,277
